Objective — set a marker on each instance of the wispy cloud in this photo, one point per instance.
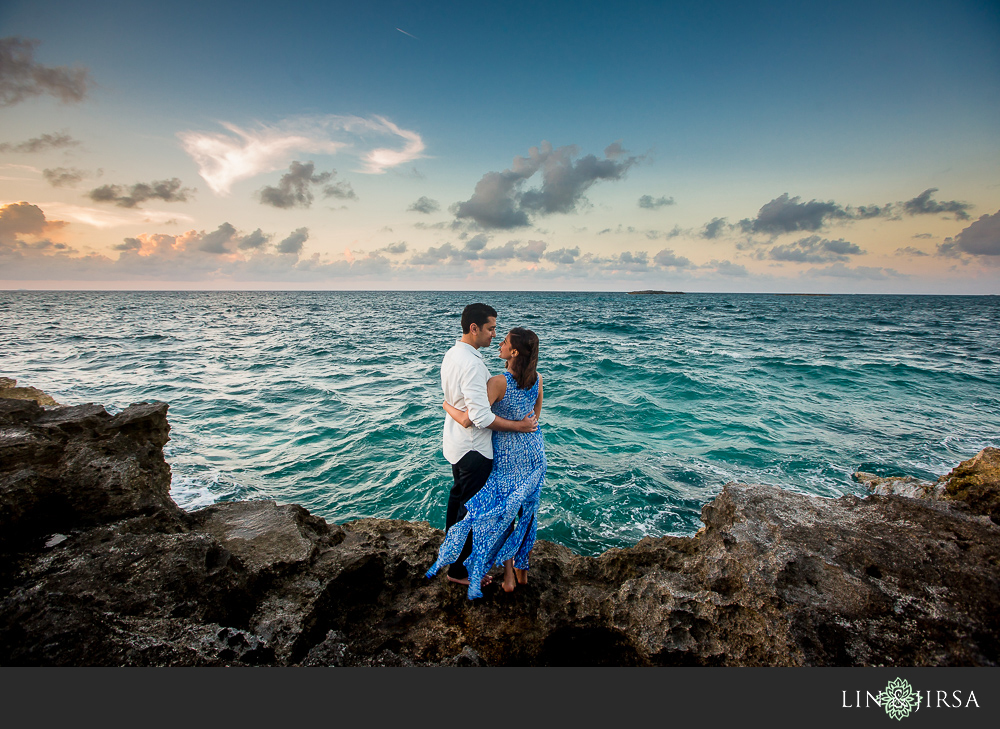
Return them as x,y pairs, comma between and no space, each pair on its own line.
114,217
654,203
21,77
381,159
224,159
839,270
41,143
63,176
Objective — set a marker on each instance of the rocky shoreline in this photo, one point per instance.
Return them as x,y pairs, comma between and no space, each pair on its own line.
100,567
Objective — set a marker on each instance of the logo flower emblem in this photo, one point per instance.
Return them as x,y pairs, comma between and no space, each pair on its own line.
898,699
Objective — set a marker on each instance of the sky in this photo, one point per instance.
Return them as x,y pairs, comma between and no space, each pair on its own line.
849,147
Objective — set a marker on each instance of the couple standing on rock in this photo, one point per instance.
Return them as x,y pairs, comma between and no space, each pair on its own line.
497,454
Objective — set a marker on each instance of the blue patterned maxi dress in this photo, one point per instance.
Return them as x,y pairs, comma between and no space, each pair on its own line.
502,516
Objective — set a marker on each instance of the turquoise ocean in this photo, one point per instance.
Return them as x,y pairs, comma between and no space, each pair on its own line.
332,400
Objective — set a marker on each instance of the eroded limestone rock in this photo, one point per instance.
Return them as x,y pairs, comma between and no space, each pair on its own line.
101,568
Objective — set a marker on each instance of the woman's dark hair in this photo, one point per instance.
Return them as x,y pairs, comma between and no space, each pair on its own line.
524,365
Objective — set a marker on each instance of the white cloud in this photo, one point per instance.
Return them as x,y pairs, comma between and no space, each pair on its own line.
380,159
224,159
102,218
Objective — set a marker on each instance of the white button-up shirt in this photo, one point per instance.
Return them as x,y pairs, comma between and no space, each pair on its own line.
463,379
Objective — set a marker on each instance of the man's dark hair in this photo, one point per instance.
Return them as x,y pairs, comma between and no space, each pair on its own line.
476,314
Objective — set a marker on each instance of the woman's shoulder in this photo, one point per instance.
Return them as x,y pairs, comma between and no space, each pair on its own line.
497,384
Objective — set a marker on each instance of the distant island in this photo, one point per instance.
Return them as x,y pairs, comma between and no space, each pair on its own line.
655,292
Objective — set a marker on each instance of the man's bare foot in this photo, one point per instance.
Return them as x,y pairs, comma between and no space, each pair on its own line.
522,576
465,581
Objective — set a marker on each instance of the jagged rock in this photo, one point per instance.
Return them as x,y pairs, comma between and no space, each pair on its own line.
10,391
78,466
99,567
976,482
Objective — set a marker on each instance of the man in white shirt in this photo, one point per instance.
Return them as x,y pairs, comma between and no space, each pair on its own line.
470,450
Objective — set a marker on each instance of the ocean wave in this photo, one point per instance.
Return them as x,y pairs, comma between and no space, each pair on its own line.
650,406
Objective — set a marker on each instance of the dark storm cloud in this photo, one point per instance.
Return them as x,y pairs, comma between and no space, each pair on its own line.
651,203
254,241
130,197
424,205
499,200
293,190
923,205
41,143
982,238
812,250
294,242
63,176
21,77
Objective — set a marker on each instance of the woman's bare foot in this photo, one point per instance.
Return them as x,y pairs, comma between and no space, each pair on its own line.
509,582
522,576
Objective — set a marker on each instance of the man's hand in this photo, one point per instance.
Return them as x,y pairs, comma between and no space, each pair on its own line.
529,424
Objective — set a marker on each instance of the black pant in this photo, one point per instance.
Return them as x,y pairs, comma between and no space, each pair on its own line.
471,474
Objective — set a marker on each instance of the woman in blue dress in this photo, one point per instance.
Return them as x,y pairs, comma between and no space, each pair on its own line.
502,516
